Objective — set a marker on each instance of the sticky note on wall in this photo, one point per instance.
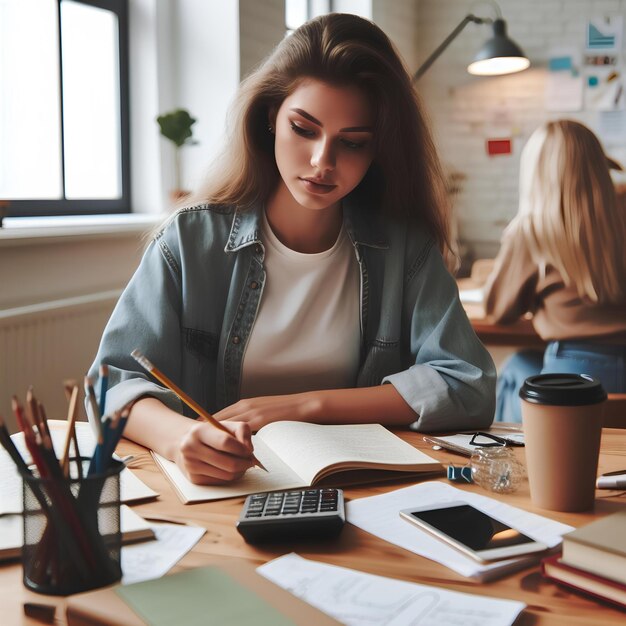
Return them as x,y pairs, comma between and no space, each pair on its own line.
498,146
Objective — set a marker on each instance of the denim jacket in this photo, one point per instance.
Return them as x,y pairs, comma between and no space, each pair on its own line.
191,305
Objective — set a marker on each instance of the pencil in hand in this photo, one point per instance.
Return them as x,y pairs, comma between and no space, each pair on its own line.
190,402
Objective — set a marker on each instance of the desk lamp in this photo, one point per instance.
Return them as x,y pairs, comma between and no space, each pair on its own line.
499,55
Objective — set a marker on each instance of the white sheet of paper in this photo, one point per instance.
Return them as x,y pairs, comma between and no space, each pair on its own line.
356,598
379,515
132,489
152,559
476,296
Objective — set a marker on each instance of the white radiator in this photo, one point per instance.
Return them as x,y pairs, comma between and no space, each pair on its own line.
44,344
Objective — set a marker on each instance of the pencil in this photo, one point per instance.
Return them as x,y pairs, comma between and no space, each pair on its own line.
190,402
93,404
104,382
9,446
68,386
71,420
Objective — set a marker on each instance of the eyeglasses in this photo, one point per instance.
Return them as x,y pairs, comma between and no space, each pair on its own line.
487,440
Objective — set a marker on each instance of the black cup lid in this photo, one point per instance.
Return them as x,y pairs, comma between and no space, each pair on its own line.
562,390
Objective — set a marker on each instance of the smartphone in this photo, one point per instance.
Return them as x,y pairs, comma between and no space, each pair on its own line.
471,531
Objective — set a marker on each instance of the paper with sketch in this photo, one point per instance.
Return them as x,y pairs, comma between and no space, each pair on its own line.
145,561
132,489
379,515
298,454
356,598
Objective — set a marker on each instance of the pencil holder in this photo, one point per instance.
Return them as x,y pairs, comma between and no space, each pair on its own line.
72,538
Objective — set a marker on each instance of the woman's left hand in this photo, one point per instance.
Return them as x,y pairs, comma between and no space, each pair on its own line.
258,412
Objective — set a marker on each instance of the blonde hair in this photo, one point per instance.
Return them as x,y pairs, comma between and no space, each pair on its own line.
569,212
405,177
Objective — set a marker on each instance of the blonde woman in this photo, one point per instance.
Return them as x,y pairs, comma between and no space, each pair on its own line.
563,258
307,281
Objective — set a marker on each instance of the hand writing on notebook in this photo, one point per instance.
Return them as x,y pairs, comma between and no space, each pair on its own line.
204,453
209,456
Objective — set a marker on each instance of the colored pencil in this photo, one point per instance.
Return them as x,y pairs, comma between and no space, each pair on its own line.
68,386
104,382
190,402
71,420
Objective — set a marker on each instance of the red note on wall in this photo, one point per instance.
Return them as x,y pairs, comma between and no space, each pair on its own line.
498,146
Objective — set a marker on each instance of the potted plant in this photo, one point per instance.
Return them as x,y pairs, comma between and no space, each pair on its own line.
176,126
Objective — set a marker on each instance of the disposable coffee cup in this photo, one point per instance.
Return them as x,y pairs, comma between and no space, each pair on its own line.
562,416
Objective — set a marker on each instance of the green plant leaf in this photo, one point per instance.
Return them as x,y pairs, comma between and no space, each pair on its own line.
176,126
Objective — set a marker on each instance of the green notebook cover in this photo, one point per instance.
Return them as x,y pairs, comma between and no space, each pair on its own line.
199,597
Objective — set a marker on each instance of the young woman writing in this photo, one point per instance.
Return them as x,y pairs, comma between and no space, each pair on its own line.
306,280
563,259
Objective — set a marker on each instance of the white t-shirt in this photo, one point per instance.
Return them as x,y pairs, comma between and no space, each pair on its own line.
307,332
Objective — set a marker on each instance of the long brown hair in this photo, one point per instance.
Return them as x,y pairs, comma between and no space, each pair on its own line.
405,177
570,214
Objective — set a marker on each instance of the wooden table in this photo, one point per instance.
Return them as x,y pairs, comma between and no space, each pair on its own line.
547,603
520,334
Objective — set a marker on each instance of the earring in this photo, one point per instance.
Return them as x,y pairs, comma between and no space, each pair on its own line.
270,128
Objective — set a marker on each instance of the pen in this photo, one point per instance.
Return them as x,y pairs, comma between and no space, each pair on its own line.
190,402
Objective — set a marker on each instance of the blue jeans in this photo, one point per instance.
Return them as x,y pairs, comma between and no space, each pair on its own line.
604,362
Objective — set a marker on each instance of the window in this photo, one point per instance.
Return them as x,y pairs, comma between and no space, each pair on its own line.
299,11
64,107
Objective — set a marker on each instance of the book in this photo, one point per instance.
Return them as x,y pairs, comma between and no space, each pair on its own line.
133,527
228,592
132,489
599,587
599,547
299,454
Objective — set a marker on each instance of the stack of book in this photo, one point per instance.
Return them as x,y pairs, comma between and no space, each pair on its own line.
593,560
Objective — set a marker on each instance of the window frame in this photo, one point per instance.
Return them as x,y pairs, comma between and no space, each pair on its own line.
89,206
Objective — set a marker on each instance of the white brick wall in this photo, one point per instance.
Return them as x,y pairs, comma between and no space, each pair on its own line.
466,110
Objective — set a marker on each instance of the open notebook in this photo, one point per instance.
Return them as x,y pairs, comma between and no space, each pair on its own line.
298,454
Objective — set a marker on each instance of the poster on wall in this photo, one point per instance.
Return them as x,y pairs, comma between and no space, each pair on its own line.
604,80
564,81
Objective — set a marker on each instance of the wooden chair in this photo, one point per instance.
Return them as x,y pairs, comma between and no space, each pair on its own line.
615,412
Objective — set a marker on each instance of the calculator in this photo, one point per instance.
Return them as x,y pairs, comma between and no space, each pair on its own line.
300,514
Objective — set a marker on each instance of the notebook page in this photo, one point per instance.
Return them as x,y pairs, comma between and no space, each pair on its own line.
309,448
278,476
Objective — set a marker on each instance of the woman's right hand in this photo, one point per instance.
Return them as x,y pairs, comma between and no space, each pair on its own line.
208,456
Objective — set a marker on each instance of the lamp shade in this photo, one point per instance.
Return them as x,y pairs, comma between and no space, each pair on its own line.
499,55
